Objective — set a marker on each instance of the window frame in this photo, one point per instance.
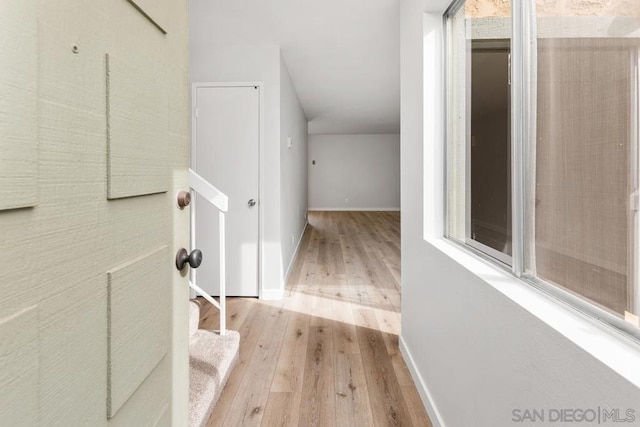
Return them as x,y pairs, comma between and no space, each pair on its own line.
523,130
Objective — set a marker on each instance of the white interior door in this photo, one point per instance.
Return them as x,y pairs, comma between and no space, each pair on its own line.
94,142
226,153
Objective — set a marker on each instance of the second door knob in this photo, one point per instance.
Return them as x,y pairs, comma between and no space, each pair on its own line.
194,259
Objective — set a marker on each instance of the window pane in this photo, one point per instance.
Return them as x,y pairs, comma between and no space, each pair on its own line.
490,151
479,154
583,156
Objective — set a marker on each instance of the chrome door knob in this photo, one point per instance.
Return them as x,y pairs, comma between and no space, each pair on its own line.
194,259
251,203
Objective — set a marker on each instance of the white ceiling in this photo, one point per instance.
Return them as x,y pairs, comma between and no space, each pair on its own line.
343,55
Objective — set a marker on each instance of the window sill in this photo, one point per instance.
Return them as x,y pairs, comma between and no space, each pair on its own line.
611,347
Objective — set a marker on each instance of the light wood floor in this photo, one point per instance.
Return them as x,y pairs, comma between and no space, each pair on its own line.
326,355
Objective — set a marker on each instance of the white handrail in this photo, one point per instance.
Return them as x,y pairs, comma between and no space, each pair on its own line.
203,187
219,200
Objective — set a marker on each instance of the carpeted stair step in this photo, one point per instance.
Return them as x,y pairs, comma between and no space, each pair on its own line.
194,318
212,357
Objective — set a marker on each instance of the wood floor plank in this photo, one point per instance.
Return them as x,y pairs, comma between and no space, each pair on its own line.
278,410
344,330
353,407
318,389
389,322
237,312
378,266
327,354
250,331
248,406
417,411
336,257
363,283
382,384
292,358
320,307
394,269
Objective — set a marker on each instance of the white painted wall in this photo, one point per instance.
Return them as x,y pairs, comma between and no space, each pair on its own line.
284,174
343,56
363,169
293,168
480,343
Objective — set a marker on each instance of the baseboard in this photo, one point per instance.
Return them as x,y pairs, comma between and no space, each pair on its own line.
423,390
294,255
272,294
278,294
349,209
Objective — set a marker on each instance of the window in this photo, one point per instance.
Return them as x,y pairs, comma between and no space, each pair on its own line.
480,149
542,145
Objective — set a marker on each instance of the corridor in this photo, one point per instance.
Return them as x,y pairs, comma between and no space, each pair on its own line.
327,354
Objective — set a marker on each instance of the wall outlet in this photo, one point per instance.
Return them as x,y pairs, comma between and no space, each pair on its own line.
289,142
346,200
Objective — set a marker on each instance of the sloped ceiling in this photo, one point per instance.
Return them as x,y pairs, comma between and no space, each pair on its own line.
343,55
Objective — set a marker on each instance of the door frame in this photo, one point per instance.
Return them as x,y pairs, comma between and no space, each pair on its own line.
260,85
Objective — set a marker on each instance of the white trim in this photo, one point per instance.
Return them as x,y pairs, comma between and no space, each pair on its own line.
354,209
261,179
493,253
294,255
423,390
272,294
261,150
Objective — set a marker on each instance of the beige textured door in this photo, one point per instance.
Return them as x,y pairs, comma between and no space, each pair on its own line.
93,148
